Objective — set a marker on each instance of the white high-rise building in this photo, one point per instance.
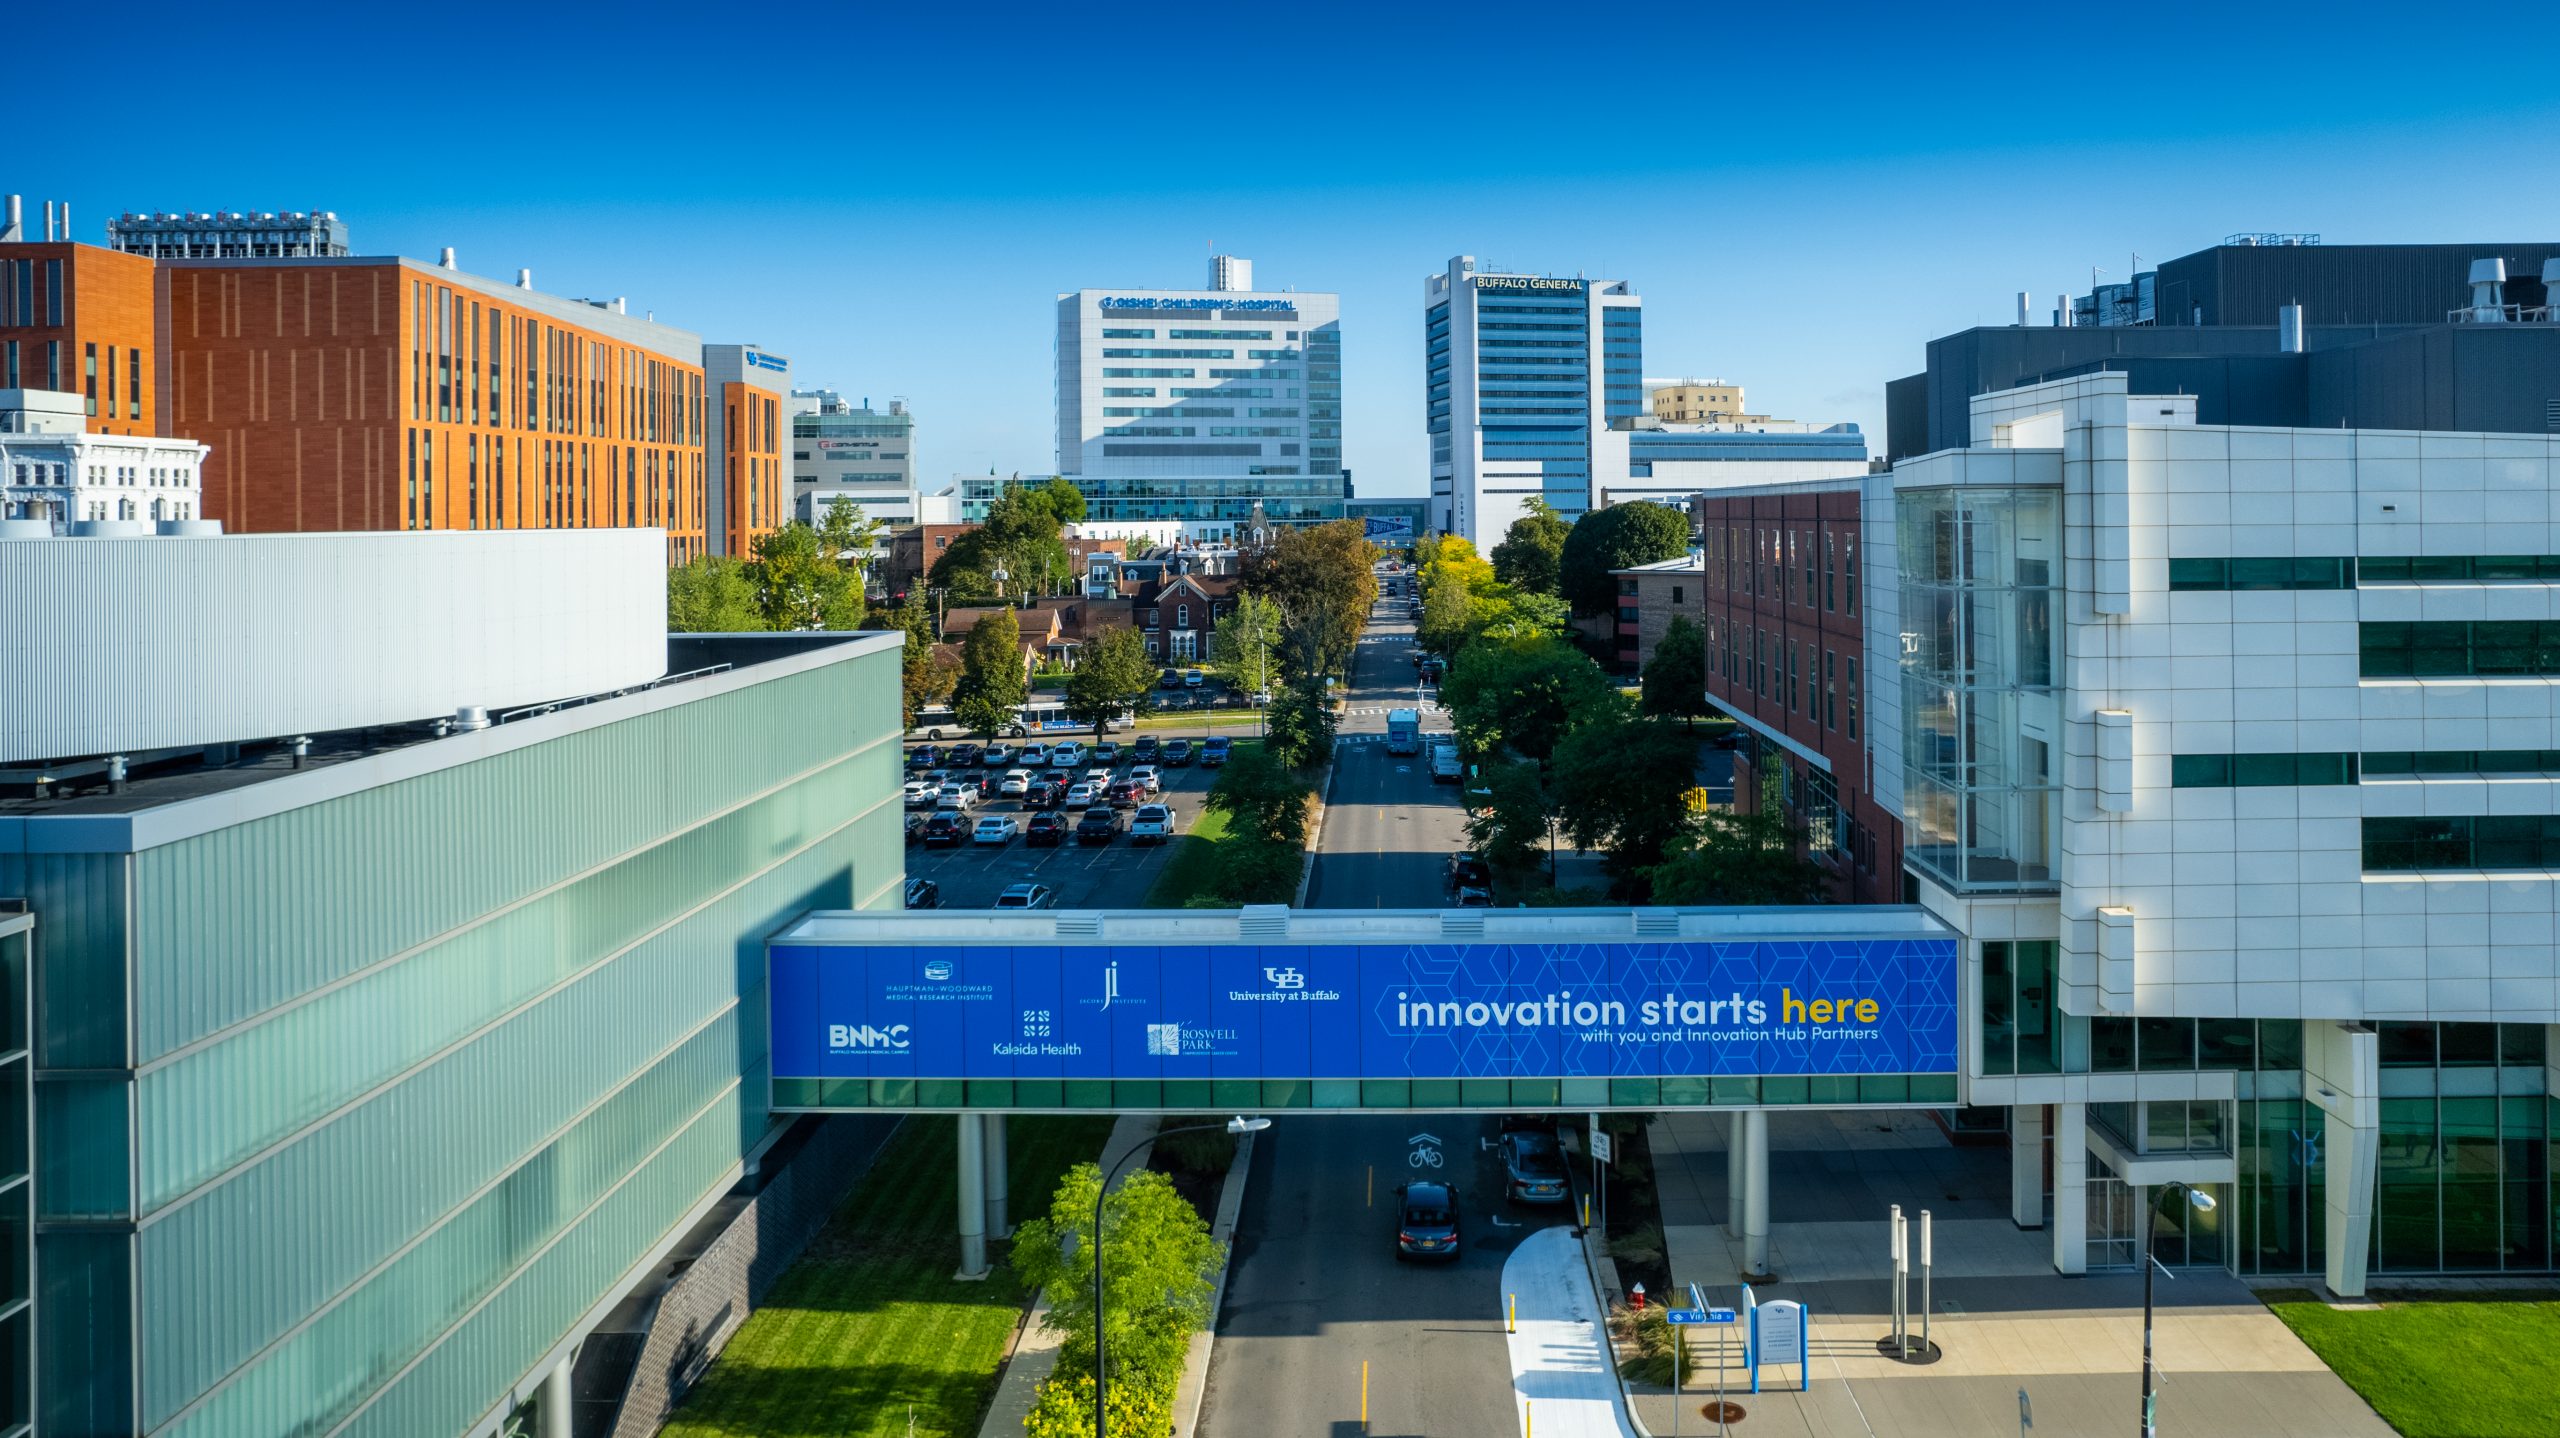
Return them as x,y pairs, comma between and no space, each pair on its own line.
1524,375
1196,405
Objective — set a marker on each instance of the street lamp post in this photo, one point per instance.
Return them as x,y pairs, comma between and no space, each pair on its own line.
1237,1125
2202,1202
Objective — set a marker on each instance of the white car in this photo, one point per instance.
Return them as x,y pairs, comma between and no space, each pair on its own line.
1083,795
957,796
1097,776
1033,756
1068,755
996,756
1153,824
994,829
919,794
1015,783
1145,775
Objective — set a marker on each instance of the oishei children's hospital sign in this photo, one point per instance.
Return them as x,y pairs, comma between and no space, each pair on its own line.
1301,1011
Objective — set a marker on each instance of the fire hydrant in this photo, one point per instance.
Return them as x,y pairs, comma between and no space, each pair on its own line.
1637,1294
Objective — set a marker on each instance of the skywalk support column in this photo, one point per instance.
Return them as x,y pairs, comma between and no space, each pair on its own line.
1755,1194
1733,1171
2026,1165
551,1411
973,1196
2341,1074
2070,1223
999,1223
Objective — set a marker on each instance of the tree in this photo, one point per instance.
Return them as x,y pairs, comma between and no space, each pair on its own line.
1300,724
1159,1263
1526,694
1510,831
1244,648
1619,537
713,594
1508,613
992,684
1448,612
1111,676
926,674
812,578
1531,553
1675,683
1321,577
1261,798
1737,858
1062,1407
1020,535
1621,785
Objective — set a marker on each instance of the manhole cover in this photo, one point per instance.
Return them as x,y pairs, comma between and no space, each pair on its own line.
1720,1412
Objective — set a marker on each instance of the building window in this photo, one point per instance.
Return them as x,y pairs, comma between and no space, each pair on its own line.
1182,616
89,377
2260,771
2020,1032
1679,596
1830,573
2439,648
2248,574
2487,841
1795,679
1830,690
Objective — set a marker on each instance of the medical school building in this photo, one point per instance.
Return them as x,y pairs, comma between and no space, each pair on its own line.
390,972
2216,685
1197,405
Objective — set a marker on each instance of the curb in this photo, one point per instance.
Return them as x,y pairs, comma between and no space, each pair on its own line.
1315,835
1193,1390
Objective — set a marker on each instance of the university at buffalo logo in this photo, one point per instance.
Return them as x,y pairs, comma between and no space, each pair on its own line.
1285,979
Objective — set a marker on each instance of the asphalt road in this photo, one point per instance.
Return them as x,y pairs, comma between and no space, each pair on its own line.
1316,1288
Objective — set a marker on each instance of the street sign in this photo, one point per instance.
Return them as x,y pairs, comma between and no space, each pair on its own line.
1685,1317
1600,1146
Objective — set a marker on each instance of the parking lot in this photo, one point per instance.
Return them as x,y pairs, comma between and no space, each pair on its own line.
1116,875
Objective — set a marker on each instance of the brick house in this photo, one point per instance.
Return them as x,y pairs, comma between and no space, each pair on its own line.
1650,596
1179,611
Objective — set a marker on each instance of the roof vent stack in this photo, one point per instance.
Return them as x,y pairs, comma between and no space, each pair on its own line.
447,260
2025,301
2289,329
2488,281
524,279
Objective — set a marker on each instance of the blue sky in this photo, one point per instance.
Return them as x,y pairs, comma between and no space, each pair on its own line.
893,196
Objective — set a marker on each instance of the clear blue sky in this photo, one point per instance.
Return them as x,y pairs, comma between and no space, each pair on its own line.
893,195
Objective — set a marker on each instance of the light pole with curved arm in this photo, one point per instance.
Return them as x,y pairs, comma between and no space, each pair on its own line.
1237,1125
2202,1202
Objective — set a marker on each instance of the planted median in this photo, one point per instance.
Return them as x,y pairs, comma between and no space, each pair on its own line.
1250,841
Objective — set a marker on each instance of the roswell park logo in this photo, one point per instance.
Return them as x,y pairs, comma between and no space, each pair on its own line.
1283,985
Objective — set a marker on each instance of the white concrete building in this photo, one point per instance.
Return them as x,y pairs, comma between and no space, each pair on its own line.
853,454
2231,751
57,478
1196,405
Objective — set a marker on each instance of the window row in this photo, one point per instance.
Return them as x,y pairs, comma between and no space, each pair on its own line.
2347,573
2286,573
1188,1095
2458,648
1169,354
1765,563
2260,771
2473,841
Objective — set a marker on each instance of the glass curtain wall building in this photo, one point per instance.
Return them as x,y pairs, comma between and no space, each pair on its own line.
1197,405
1522,376
365,1082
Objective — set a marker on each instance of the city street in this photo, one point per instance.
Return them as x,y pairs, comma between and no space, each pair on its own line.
1317,1289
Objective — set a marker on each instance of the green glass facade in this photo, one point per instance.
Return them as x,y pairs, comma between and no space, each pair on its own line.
350,1111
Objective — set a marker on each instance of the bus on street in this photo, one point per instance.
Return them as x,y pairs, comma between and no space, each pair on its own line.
1404,731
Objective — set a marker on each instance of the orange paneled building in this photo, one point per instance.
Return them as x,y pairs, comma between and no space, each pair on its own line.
385,393
751,488
79,319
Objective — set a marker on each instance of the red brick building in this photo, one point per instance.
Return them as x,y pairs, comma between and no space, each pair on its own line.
1786,658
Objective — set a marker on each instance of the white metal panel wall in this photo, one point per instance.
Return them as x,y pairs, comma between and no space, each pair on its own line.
124,645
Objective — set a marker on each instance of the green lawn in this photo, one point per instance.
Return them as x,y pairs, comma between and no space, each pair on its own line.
2437,1369
869,1320
1193,869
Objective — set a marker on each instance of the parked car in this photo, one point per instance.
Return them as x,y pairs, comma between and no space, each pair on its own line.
1082,794
1045,831
1152,825
1145,749
1097,776
1026,896
1107,752
1033,756
1472,897
1069,755
919,794
994,829
1101,825
1533,1167
1193,678
1446,766
1046,792
956,796
1125,794
915,828
923,756
996,756
1178,753
1149,776
944,829
923,894
1467,871
1170,679
1426,1221
963,755
1214,750
1016,784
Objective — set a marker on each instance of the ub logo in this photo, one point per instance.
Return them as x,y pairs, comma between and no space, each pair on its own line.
1288,978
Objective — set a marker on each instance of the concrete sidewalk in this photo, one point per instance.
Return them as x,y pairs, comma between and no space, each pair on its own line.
1560,1374
2003,1321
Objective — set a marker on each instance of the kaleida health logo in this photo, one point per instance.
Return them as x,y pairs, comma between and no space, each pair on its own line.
866,1039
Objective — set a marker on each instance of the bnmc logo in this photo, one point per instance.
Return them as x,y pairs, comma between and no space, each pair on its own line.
865,1039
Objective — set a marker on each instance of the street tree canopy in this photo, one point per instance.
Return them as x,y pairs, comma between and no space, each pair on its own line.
1619,537
1111,677
1739,858
1244,649
1021,536
1675,682
1510,831
992,684
714,594
1622,784
1321,577
1530,556
1525,693
812,578
1158,1267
